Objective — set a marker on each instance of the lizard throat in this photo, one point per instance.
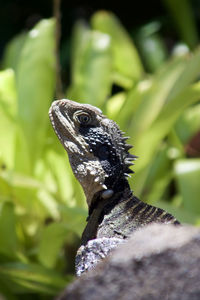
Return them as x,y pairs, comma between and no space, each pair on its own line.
118,189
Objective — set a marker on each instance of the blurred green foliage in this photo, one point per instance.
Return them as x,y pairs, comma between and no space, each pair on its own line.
42,207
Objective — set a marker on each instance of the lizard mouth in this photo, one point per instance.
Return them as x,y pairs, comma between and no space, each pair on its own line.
65,128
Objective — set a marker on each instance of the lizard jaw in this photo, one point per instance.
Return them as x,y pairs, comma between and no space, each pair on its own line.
65,130
86,168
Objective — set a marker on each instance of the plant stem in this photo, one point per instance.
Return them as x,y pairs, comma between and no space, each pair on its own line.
57,16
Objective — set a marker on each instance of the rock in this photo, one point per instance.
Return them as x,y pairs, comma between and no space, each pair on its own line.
93,252
157,262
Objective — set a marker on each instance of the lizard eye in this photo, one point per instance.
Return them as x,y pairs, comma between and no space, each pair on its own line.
83,118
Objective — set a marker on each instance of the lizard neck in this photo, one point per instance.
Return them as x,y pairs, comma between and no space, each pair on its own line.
99,207
119,188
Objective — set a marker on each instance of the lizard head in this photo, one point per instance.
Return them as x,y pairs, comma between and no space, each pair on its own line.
97,150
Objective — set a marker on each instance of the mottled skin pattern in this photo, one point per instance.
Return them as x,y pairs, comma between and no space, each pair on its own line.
99,157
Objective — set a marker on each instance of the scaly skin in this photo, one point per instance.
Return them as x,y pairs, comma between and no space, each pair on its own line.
100,160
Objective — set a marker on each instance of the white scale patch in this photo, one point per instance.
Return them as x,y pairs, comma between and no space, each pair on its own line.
91,176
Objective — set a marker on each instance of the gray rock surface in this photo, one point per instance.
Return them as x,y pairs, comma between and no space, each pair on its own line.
89,255
157,262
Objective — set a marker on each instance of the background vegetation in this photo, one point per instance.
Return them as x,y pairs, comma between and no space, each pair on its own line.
150,88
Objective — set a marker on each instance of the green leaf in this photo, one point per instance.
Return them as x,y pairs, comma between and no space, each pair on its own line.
7,117
169,115
167,83
53,238
74,217
35,87
131,104
158,177
8,236
4,187
181,11
91,66
151,45
147,144
189,123
114,105
80,35
187,174
13,51
126,60
146,99
32,199
182,214
62,175
8,97
15,179
20,277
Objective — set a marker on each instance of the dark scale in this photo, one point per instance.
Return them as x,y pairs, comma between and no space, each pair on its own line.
103,148
115,160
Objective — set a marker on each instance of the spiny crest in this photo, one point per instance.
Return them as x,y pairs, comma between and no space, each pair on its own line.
126,156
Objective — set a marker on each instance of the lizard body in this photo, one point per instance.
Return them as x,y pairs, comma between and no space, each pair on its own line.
100,159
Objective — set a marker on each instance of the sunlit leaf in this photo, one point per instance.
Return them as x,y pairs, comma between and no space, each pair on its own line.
151,46
91,66
126,60
132,101
167,118
167,83
35,87
161,127
182,214
114,105
188,123
61,171
49,203
145,101
187,174
13,51
7,117
4,186
19,180
158,177
80,35
52,239
74,217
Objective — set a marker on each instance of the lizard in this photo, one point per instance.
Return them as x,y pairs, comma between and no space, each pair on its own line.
99,157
